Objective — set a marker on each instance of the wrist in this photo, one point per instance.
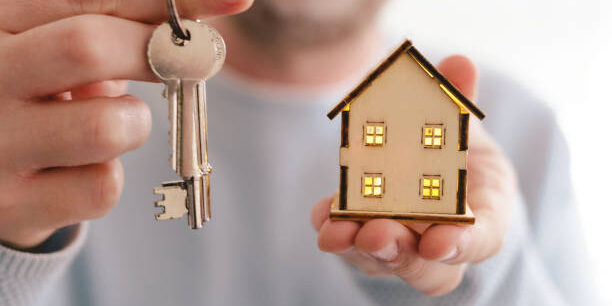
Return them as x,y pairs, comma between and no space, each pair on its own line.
43,241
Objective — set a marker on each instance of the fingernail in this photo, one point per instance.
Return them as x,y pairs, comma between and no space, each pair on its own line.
137,122
388,253
455,252
450,255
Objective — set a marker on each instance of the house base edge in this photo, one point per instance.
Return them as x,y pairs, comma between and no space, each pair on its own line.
404,218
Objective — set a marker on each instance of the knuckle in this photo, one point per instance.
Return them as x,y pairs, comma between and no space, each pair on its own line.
106,188
83,46
13,189
6,199
412,270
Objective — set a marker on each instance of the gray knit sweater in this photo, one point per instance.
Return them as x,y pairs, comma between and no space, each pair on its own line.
274,155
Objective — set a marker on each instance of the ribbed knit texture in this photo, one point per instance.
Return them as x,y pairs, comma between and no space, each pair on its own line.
24,277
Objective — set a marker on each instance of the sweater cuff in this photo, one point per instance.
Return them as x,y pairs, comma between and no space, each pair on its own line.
58,252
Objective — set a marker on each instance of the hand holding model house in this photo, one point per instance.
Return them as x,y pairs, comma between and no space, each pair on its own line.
430,186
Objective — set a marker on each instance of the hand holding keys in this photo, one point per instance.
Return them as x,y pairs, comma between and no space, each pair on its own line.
184,65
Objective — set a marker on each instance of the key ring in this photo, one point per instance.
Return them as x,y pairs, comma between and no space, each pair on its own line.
175,22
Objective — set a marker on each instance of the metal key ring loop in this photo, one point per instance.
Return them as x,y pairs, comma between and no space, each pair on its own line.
175,22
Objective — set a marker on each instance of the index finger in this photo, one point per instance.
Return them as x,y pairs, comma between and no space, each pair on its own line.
18,16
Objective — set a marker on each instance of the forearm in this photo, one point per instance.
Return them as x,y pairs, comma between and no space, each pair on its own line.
25,276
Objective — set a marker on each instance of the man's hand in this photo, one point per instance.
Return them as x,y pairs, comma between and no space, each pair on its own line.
64,120
433,258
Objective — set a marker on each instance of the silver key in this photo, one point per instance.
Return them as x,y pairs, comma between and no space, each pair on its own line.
184,66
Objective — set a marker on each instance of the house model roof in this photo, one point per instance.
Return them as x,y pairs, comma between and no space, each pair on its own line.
408,49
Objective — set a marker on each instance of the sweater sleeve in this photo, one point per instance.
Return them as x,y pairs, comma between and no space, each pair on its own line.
543,259
25,276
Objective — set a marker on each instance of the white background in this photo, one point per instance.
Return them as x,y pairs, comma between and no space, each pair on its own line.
564,55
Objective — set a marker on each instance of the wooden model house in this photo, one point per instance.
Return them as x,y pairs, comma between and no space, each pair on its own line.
404,142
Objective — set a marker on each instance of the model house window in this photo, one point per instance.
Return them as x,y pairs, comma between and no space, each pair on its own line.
433,136
373,185
431,187
374,134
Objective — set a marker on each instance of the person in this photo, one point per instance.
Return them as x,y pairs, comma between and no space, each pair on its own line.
66,120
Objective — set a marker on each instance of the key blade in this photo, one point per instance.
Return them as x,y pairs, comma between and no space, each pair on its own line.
173,202
189,132
194,166
201,128
198,200
173,89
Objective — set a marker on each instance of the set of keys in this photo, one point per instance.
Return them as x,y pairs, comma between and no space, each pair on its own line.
184,62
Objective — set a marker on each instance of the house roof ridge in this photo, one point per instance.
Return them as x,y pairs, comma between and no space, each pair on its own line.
405,47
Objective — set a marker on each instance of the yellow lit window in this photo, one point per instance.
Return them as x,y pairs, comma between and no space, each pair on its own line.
433,136
374,133
373,185
431,187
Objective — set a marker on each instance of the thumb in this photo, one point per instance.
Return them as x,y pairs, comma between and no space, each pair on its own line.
460,71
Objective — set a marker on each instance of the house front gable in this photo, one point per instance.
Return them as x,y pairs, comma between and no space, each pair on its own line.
402,99
406,48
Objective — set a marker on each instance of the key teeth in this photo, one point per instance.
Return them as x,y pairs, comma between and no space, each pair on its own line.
172,202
